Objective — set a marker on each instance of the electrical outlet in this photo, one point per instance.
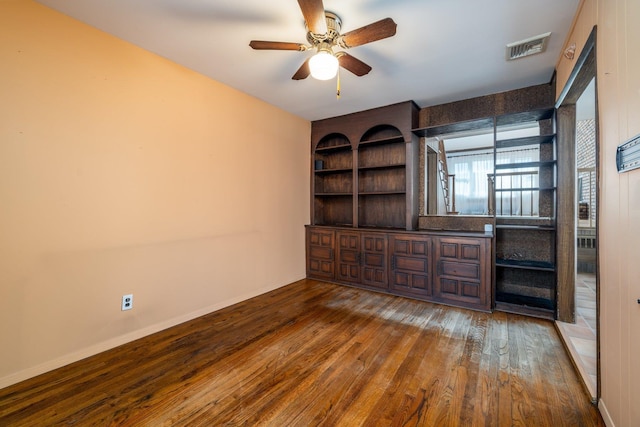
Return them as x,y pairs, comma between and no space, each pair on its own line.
127,302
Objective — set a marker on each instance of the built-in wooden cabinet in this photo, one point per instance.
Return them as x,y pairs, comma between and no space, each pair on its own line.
320,253
461,271
411,260
362,258
450,268
525,254
522,206
365,187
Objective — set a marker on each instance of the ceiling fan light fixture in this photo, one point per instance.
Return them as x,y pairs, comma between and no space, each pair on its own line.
323,65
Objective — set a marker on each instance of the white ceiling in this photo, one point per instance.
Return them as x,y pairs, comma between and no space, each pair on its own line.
444,50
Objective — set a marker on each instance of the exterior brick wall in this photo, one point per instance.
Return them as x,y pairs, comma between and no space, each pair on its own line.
586,158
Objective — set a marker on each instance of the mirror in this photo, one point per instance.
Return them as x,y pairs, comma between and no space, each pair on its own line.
461,176
458,166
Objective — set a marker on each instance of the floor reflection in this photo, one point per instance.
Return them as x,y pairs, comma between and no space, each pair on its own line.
580,338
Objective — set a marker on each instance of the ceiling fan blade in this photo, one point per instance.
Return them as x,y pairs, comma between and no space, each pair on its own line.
313,12
369,33
267,45
303,72
352,64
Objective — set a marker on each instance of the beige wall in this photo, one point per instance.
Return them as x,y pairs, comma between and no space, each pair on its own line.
121,172
618,80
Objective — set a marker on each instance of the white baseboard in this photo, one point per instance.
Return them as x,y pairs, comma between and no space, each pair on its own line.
605,414
123,339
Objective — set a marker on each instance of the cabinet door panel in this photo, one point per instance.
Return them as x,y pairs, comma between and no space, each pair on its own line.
470,252
321,238
320,268
374,260
410,271
455,288
320,252
348,272
463,272
348,256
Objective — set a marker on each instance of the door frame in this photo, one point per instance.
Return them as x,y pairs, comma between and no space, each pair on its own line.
582,74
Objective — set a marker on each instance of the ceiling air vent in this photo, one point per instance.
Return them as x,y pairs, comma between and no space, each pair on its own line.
527,47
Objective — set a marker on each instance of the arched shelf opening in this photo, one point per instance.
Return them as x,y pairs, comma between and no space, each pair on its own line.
332,181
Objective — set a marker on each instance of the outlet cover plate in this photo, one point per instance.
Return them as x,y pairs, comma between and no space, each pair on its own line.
127,302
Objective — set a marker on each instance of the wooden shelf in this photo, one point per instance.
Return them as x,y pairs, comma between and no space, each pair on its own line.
333,194
381,167
525,117
380,193
525,264
379,227
525,227
533,302
380,141
343,147
331,171
507,307
528,140
343,225
466,126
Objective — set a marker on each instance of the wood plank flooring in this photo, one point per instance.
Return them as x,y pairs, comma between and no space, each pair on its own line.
314,353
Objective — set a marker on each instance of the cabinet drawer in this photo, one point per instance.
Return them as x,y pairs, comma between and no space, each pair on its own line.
459,269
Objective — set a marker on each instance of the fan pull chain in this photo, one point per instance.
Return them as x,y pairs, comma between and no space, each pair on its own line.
338,88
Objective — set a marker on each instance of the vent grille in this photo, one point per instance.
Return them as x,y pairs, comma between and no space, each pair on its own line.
530,46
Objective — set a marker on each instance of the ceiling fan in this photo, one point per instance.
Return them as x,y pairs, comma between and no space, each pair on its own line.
323,35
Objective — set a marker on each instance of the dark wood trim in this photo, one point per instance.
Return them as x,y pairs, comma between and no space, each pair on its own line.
582,73
413,176
478,112
566,214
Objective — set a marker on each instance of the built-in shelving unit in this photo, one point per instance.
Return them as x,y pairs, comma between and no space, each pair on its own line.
363,229
365,190
382,180
365,169
525,244
333,181
522,207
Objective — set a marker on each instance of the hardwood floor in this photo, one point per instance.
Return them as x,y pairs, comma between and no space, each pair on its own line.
313,353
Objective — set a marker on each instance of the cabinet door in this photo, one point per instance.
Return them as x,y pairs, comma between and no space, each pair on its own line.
348,257
320,251
374,260
463,272
410,270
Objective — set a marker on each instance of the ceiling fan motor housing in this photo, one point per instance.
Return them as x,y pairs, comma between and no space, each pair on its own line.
334,24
